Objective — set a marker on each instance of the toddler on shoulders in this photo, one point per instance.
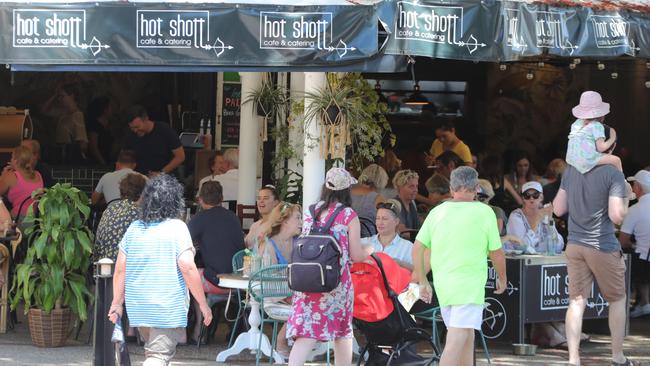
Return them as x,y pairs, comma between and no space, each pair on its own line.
588,145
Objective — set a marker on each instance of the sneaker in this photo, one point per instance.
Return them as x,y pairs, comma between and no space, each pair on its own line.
640,310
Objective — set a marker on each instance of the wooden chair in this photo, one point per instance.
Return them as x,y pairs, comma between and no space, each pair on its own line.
4,298
246,212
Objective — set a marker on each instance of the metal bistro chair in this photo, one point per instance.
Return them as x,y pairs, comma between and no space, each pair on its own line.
238,267
267,286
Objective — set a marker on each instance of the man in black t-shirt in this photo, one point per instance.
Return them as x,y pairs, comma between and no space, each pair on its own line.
218,233
157,147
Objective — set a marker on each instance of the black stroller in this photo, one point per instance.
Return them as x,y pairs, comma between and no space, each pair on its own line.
393,338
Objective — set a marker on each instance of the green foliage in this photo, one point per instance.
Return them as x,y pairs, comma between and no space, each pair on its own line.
369,131
359,104
288,183
270,100
52,275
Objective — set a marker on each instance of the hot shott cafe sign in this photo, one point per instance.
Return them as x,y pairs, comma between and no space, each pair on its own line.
125,33
505,30
121,33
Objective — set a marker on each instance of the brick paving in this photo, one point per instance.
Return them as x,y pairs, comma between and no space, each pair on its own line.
16,349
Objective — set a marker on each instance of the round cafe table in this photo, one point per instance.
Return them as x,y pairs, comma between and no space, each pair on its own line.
251,338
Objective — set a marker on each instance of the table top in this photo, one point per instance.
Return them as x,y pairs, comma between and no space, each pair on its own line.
233,280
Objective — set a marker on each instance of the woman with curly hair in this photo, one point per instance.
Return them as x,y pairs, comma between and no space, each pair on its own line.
159,270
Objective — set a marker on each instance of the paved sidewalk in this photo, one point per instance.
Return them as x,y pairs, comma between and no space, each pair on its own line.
16,349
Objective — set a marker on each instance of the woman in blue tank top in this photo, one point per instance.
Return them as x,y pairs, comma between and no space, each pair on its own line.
285,224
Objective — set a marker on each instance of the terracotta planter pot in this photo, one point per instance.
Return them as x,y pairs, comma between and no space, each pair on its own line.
49,330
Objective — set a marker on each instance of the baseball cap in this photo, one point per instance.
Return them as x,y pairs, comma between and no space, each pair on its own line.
532,185
642,177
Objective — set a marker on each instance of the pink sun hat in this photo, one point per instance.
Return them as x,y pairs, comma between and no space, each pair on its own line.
591,106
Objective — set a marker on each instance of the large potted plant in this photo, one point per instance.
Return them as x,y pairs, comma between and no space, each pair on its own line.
51,281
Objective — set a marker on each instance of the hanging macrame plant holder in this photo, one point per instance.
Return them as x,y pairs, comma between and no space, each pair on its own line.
335,132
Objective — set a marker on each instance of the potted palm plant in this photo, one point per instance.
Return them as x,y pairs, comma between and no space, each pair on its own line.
51,281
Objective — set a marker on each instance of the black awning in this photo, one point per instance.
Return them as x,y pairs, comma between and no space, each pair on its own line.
306,36
212,35
511,30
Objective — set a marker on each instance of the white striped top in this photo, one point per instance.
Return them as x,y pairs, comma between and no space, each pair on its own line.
156,294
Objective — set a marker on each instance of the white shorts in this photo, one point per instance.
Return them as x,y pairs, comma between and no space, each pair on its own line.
463,316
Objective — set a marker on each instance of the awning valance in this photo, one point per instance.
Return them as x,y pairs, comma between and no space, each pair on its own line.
309,35
510,30
197,34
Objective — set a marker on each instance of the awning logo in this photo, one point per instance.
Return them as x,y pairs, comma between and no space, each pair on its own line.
300,31
433,24
50,28
610,31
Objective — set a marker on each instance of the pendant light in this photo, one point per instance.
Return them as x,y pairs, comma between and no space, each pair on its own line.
416,98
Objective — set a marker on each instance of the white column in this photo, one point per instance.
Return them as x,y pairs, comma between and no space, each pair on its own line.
297,90
314,165
248,140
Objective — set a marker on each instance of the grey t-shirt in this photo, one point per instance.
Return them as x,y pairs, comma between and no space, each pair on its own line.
109,184
587,196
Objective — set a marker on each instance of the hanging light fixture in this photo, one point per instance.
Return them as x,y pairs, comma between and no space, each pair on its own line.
601,66
416,98
530,75
503,67
572,66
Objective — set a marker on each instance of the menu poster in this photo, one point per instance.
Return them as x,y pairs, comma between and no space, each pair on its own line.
231,110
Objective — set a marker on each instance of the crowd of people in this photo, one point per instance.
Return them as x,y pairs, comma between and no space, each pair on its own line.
384,211
420,222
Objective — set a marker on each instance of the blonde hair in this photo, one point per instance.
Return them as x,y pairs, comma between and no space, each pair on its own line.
555,168
279,215
23,156
374,176
403,176
390,162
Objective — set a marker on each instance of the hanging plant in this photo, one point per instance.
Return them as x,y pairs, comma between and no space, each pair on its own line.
334,109
269,99
352,119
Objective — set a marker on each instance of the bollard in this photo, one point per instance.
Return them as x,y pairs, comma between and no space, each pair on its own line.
103,350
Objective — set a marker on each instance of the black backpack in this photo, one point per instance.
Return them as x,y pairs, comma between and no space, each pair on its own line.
315,258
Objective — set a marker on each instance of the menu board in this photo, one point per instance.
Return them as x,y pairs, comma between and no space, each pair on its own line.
231,110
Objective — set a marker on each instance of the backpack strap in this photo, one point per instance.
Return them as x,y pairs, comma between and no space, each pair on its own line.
312,211
330,220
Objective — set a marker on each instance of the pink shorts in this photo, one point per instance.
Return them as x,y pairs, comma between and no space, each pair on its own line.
209,288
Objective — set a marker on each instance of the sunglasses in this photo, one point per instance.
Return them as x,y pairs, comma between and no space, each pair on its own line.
285,206
534,195
387,206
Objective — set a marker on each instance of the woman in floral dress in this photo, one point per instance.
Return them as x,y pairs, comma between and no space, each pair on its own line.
328,316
